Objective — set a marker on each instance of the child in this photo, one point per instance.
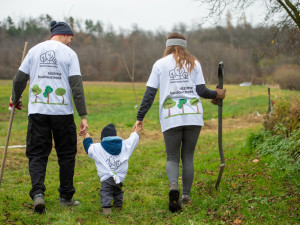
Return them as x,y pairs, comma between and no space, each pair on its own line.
111,157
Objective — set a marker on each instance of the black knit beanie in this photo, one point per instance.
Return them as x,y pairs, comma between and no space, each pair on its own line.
108,131
60,28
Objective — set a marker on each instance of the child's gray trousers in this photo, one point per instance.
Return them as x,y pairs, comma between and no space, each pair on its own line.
111,191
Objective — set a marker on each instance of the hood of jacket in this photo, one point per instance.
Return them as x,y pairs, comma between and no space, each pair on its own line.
112,145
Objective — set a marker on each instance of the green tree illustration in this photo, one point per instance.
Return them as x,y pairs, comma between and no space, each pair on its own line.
194,102
36,91
181,103
61,92
47,92
168,104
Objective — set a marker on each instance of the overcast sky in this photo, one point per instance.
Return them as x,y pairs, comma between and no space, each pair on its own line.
147,14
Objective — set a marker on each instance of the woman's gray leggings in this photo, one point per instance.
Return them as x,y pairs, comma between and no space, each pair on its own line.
184,137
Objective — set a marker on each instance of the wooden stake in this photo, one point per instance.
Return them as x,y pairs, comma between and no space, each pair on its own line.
10,123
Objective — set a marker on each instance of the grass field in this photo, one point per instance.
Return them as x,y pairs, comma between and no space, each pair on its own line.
249,193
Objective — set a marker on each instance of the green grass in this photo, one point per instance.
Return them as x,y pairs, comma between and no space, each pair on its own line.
249,192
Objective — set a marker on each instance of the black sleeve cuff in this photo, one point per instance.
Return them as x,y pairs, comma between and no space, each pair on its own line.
147,102
204,92
19,84
78,94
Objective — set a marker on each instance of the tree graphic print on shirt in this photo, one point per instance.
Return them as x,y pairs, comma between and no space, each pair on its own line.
61,92
181,103
47,92
194,102
36,91
168,104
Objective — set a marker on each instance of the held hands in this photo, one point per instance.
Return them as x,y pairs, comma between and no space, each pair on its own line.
137,126
83,127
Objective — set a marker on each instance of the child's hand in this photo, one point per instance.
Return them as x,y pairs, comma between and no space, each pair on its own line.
86,135
137,126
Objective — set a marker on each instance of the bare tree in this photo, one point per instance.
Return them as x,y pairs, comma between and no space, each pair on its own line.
287,9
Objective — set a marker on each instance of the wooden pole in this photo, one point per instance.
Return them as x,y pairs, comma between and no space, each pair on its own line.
269,108
10,123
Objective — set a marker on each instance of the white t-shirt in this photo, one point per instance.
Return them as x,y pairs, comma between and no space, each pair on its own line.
179,103
50,64
115,166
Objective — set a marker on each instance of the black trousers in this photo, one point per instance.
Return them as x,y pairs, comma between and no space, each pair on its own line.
111,191
38,148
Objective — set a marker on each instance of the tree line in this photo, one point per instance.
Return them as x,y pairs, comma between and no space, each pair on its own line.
261,55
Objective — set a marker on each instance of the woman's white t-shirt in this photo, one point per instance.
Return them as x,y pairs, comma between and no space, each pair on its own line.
50,64
179,103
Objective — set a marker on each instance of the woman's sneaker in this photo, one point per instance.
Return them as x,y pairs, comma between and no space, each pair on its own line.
185,199
174,193
39,203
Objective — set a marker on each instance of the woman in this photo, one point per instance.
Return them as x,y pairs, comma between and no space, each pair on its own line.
180,79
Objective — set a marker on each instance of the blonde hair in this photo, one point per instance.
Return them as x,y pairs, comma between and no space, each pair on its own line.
181,54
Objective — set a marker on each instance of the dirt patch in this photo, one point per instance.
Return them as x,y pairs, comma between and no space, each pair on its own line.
233,123
209,126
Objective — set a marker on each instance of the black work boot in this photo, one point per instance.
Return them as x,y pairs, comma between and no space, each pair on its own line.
39,203
68,202
174,193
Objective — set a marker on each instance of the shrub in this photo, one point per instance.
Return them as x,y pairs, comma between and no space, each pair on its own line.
287,77
285,118
285,152
280,138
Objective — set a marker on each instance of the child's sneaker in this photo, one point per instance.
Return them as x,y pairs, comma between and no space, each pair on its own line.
185,199
118,208
106,211
39,203
68,202
174,204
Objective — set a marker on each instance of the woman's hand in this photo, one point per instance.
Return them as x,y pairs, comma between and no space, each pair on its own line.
214,101
138,126
220,93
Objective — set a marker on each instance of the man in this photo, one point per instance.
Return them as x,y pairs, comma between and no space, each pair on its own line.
54,71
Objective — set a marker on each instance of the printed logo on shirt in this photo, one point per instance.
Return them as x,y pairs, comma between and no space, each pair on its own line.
48,59
113,162
178,76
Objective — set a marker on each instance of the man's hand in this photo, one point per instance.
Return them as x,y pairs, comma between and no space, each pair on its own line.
83,127
19,105
138,126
